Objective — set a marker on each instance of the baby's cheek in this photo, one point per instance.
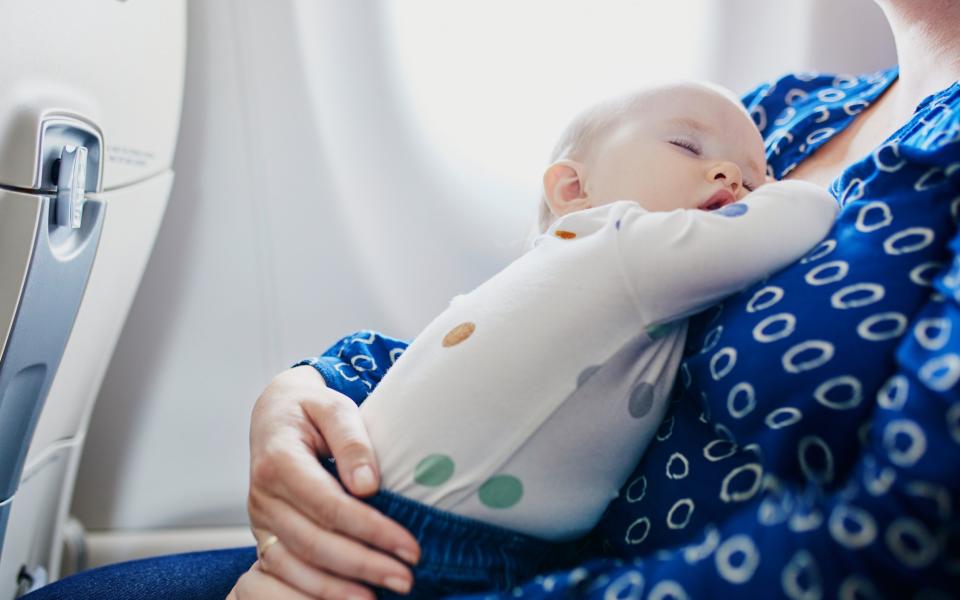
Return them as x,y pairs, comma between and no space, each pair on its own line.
660,198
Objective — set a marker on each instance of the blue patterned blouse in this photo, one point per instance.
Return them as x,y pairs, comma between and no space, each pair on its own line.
812,448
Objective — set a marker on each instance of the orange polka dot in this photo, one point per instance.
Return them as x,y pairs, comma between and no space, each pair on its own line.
458,334
567,235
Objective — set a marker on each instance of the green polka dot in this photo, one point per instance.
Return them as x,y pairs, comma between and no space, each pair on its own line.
658,331
501,491
433,470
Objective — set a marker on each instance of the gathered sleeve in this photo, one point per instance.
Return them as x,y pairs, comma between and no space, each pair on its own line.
356,363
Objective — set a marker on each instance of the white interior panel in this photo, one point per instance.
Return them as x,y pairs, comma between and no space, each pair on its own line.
757,40
247,225
123,68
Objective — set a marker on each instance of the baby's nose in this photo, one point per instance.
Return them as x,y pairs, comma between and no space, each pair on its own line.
728,174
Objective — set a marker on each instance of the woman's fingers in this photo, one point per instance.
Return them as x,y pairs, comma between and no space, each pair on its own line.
313,582
338,420
332,552
362,522
307,488
278,412
256,584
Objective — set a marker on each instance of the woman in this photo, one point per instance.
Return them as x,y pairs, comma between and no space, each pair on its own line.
840,399
836,378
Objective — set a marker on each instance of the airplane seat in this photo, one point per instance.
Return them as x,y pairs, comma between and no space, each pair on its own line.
90,98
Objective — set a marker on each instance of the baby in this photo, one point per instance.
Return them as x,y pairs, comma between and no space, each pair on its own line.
515,417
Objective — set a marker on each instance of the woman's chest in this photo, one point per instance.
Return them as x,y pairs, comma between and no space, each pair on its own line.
859,139
814,342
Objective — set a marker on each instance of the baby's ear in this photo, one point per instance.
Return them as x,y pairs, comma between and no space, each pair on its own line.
563,187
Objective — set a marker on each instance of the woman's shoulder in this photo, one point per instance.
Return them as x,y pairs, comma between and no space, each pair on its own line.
775,105
800,112
790,86
934,130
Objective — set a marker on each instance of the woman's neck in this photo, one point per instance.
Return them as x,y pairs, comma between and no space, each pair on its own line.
927,35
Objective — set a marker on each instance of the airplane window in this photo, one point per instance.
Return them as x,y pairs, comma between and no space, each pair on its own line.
490,84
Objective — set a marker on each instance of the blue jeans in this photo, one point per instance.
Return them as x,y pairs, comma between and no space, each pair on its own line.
194,576
458,555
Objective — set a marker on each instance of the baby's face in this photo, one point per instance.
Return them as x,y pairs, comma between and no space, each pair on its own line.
690,147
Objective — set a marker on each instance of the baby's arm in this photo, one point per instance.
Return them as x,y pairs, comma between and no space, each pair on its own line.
680,262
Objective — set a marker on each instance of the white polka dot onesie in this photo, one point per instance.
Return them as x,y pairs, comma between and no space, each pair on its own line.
529,400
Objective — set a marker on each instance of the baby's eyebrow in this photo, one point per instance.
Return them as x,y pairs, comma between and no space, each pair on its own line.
690,123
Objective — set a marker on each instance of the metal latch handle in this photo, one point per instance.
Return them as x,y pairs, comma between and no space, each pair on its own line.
71,182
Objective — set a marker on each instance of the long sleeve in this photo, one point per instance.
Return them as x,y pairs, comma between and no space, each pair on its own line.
356,363
677,263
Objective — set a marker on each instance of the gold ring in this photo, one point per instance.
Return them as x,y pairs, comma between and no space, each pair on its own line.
262,548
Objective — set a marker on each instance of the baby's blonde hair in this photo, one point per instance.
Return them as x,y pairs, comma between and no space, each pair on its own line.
580,136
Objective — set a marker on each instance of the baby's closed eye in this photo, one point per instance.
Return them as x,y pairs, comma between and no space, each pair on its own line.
688,145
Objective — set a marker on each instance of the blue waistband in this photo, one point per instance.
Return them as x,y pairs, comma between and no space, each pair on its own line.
451,542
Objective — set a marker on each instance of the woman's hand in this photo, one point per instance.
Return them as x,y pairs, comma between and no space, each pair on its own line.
326,537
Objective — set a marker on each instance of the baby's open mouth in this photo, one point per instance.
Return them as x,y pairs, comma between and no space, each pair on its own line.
719,199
